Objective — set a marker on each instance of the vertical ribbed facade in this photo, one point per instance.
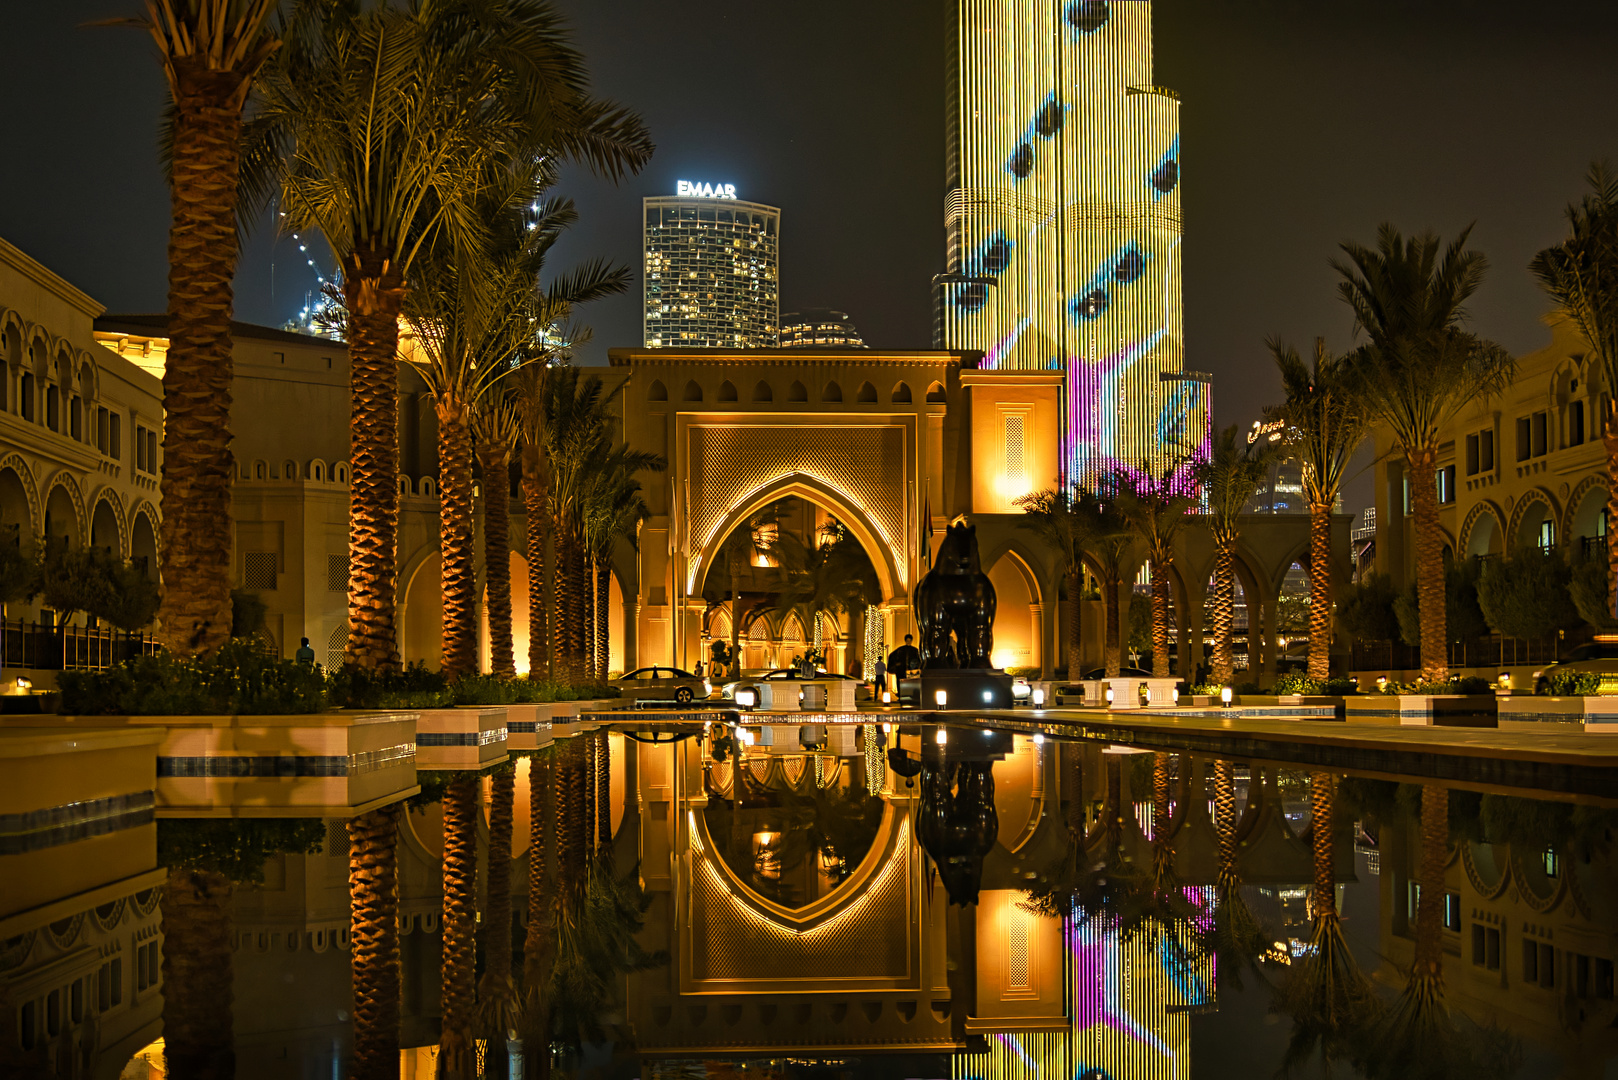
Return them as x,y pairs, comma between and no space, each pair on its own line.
1064,204
712,273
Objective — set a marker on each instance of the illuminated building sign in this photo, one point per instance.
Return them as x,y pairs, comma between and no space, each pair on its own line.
685,189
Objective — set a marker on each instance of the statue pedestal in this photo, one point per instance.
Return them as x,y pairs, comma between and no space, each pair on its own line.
966,688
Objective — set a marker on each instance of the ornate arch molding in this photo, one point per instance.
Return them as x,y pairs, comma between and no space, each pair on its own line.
106,494
1520,511
36,512
1576,499
1485,889
69,483
1023,561
1483,508
886,857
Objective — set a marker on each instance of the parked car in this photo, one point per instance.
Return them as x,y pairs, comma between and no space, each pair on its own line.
1598,657
662,684
728,690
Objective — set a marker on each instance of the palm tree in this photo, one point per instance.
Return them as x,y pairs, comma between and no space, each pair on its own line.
1156,511
613,510
1110,543
211,52
373,889
1327,995
1054,516
497,993
458,950
539,937
1415,371
198,1018
495,427
1581,276
530,388
830,576
1238,937
1228,476
1325,424
393,117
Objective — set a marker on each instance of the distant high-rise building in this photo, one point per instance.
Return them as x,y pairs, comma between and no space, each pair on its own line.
819,326
712,270
1063,220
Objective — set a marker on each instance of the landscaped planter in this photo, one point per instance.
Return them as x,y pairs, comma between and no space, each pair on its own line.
1337,705
337,763
470,737
568,717
1430,710
1533,713
528,727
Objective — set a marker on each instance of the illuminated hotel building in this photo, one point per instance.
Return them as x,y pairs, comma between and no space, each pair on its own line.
820,327
712,270
1063,217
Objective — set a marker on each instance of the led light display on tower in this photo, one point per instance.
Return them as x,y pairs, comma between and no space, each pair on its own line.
1064,224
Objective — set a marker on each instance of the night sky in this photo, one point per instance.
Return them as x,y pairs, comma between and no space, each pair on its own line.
1304,123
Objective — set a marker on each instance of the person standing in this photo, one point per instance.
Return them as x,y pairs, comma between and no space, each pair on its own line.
905,661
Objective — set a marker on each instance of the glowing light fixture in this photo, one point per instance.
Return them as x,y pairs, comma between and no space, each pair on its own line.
887,729
941,697
941,736
1148,695
887,697
1109,695
1505,678
988,697
1039,738
1039,697
1224,697
747,698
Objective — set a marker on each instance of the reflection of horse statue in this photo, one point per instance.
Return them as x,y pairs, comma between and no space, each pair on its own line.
956,598
958,828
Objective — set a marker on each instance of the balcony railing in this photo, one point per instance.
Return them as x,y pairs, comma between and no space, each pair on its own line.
69,648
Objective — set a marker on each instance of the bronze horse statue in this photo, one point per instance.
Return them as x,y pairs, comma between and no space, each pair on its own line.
955,600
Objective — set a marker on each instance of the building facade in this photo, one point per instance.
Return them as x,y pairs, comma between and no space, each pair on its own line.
712,270
1064,228
819,327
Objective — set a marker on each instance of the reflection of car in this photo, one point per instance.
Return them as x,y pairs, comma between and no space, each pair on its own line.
728,690
1599,657
662,684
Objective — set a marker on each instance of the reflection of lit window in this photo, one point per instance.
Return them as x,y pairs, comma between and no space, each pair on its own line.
767,855
1553,866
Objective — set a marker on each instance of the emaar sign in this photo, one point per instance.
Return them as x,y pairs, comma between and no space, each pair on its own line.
687,190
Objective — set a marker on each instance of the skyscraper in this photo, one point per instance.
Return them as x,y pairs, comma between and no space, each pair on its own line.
819,327
1063,220
712,268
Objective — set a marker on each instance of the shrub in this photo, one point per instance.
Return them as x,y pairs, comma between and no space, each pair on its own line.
1587,587
413,688
1573,683
247,613
482,690
97,582
1471,684
237,680
235,847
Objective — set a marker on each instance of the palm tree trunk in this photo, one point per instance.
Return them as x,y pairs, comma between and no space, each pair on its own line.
603,795
496,464
456,1060
496,992
586,592
1324,898
373,890
568,639
1074,783
198,1018
1609,439
603,643
572,828
1224,610
198,467
373,292
1320,590
1225,821
456,545
1429,961
1160,796
1075,609
1161,599
1430,597
536,508
1113,650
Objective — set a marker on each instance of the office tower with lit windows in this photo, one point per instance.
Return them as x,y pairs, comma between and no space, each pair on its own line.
819,327
1063,220
712,270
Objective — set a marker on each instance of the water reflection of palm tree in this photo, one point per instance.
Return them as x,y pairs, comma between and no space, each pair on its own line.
1415,1037
1238,938
1326,994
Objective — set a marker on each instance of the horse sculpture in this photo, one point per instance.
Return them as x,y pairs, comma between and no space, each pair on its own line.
954,605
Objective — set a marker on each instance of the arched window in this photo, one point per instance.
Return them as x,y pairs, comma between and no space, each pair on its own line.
866,394
727,391
935,392
693,392
657,391
901,394
797,391
833,392
762,392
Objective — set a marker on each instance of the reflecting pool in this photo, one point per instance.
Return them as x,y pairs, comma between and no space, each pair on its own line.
897,898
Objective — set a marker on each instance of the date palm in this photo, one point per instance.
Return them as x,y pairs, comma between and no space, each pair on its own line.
391,117
1157,512
1238,937
1053,515
1417,368
211,51
1581,275
1109,543
828,576
495,428
1325,424
497,1010
1233,470
373,889
458,953
613,511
